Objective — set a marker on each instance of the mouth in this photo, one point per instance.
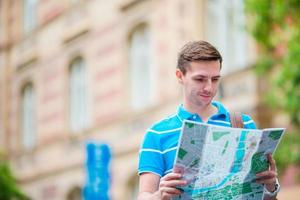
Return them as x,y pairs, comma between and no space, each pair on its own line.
205,96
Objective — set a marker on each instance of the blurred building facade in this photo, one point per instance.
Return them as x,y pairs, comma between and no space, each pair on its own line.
72,71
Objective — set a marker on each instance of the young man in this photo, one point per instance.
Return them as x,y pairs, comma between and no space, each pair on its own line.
198,71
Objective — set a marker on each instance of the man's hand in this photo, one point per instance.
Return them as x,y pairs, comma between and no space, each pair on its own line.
168,184
152,187
268,177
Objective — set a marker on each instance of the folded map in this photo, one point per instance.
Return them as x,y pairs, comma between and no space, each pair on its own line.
221,162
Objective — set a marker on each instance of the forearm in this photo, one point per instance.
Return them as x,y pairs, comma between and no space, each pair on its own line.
149,196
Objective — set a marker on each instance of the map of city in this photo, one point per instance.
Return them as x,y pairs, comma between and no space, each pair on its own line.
221,162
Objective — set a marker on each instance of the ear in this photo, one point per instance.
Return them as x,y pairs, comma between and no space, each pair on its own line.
179,75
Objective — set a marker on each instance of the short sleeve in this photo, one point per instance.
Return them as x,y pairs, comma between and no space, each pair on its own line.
248,122
151,155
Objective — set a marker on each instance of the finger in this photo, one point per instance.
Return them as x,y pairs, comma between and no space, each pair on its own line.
272,162
266,178
165,196
266,181
266,174
173,183
170,191
172,176
178,169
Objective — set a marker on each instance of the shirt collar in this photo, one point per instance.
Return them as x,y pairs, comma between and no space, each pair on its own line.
222,111
184,114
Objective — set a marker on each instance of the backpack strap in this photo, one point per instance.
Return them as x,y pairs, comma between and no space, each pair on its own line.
236,120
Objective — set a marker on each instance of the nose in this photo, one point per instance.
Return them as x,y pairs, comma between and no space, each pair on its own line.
208,86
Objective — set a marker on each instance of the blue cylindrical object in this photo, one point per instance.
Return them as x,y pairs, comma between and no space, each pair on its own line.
97,172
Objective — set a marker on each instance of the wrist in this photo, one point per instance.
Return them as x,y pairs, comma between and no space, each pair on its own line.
270,187
149,196
157,195
271,190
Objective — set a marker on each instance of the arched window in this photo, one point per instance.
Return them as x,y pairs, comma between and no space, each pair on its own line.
28,117
225,28
29,15
141,67
78,96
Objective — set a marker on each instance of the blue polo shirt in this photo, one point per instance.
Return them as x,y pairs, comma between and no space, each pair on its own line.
159,147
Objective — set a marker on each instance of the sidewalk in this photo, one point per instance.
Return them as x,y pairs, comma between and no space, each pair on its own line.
289,193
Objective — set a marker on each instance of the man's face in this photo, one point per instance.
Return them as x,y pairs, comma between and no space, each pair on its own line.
200,82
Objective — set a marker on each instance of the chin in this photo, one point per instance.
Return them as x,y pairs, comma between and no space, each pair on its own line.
204,103
207,103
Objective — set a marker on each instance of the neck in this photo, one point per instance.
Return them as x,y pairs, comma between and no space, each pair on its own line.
204,111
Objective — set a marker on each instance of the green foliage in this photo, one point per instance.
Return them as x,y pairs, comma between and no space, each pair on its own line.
264,64
8,187
275,25
288,151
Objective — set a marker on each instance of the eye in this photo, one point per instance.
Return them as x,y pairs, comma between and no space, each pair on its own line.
215,79
199,79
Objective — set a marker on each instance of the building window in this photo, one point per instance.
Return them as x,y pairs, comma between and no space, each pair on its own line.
225,28
29,15
78,96
28,119
141,68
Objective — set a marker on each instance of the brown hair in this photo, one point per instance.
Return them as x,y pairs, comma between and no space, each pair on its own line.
197,51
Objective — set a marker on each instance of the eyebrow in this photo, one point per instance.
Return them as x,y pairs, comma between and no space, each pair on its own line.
202,76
